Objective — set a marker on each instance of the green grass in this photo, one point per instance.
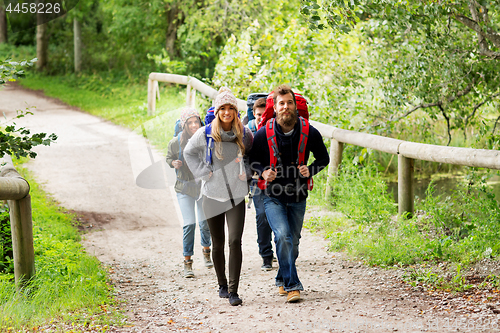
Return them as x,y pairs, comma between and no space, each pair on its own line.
70,286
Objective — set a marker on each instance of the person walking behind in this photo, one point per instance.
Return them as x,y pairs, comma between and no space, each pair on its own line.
188,192
216,155
287,178
264,232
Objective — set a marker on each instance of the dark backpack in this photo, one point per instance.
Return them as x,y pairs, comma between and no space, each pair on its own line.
251,99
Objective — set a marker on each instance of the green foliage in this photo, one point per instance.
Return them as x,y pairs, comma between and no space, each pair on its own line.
119,35
326,67
361,194
6,254
427,55
12,70
462,228
18,141
434,279
69,285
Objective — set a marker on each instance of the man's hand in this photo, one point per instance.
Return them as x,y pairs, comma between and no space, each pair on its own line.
177,164
269,175
304,170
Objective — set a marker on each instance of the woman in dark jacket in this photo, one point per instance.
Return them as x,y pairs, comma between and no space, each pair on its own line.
188,192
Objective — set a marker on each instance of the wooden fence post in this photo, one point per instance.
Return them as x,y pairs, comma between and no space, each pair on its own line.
405,186
193,98
22,240
188,95
336,149
151,97
157,90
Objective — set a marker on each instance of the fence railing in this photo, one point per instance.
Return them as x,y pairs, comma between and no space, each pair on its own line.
15,189
406,151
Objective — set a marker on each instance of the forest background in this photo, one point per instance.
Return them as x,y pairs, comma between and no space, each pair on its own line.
425,71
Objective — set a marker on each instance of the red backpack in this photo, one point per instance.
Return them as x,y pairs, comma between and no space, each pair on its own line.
273,148
269,112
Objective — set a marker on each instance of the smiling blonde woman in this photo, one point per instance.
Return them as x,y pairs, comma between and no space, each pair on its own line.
225,175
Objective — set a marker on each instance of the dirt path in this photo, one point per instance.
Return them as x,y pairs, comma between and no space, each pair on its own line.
137,234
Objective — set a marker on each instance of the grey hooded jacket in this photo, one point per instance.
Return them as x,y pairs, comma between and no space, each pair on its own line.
225,173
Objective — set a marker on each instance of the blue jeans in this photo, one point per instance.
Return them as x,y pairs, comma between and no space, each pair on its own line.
264,232
187,205
286,222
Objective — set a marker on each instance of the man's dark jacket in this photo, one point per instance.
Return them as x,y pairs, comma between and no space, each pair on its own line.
284,186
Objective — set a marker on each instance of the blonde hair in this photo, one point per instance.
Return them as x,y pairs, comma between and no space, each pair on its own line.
237,128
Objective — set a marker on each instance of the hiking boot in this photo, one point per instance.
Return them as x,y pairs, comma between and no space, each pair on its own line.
267,263
293,296
234,299
207,259
188,268
282,291
223,292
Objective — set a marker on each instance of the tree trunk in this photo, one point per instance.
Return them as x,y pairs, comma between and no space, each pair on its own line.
77,40
3,24
174,20
41,44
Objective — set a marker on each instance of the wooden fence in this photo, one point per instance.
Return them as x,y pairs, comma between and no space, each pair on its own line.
15,190
406,151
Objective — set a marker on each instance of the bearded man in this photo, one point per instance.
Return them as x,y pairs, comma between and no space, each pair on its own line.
287,184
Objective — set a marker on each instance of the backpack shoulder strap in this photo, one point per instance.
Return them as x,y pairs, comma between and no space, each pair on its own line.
252,126
304,135
271,142
180,148
210,143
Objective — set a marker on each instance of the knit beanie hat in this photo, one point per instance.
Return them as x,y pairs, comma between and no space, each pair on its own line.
225,96
187,113
210,115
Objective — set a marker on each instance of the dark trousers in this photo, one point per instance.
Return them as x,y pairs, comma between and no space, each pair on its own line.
264,231
235,217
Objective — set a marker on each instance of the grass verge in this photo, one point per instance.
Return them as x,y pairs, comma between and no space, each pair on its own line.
70,288
456,231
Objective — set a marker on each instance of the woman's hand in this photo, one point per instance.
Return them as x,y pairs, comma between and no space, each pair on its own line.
177,164
243,176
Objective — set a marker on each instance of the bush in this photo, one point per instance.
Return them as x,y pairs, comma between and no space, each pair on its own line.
6,254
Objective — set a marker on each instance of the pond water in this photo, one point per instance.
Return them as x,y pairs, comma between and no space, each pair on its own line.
442,186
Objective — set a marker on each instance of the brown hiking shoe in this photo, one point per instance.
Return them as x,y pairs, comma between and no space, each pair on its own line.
282,291
293,296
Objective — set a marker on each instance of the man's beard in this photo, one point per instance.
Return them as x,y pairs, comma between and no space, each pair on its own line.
287,122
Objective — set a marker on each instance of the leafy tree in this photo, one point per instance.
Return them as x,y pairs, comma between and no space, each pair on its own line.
437,56
3,25
326,67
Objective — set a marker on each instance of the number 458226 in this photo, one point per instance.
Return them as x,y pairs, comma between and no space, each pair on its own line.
31,7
